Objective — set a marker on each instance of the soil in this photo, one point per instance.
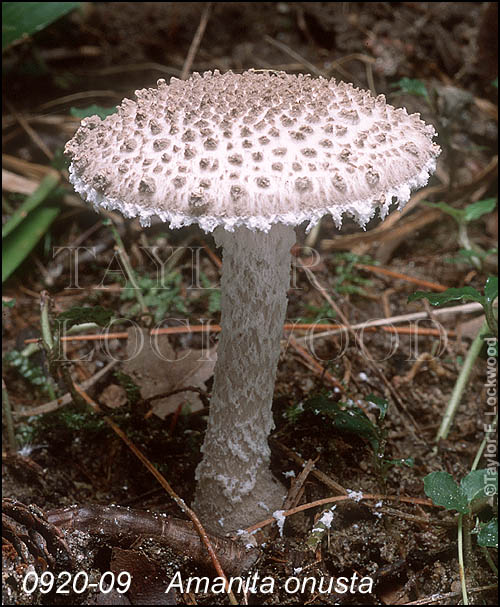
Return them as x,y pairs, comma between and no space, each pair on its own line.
71,456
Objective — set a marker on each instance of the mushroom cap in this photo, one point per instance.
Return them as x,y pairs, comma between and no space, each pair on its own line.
251,149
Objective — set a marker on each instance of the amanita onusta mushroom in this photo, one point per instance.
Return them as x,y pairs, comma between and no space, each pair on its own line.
249,156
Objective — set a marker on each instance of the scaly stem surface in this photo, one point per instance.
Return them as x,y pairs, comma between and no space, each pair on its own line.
235,485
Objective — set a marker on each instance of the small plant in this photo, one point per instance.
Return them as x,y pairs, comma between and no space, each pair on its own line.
467,294
131,388
469,252
466,257
79,315
30,370
213,295
317,313
348,417
293,412
321,528
467,498
163,298
411,86
347,279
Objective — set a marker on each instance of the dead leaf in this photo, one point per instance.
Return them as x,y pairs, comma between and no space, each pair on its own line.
156,368
16,183
113,396
471,328
148,583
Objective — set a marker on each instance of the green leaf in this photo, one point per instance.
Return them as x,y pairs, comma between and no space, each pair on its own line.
21,19
92,110
30,369
19,243
214,299
409,462
468,256
346,418
79,315
412,86
132,389
321,528
381,404
488,534
34,200
478,209
471,213
444,491
457,214
476,484
453,294
491,289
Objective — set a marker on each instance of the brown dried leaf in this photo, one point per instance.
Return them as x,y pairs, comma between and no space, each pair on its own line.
113,396
148,585
156,368
471,328
16,183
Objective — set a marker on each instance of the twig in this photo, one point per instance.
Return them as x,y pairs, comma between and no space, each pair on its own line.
33,135
332,329
417,435
434,598
321,476
295,492
44,320
286,49
489,560
417,281
202,394
464,309
421,520
388,229
193,49
136,67
213,256
77,97
293,495
318,369
53,405
342,498
47,339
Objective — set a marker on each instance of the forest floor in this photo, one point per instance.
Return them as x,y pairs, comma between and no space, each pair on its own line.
435,58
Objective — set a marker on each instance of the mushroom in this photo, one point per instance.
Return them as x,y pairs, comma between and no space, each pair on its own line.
249,156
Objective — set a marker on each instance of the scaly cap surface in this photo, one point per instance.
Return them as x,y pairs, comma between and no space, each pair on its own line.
251,149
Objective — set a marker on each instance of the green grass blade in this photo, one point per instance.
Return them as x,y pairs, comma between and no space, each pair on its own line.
21,19
19,243
31,202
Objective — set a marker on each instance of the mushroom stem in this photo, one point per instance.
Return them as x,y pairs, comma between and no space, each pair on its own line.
235,485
